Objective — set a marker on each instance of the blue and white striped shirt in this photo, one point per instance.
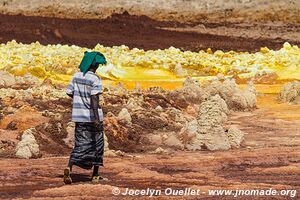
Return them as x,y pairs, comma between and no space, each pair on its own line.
82,87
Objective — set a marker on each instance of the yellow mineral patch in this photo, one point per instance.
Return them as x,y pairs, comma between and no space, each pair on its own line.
131,66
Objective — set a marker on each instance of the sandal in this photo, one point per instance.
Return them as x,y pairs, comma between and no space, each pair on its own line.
67,176
97,178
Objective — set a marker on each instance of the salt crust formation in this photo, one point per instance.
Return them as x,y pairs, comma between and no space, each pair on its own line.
28,146
191,117
290,93
207,131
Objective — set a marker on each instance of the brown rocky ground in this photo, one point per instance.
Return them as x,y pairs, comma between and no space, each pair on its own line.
171,10
242,25
146,33
268,159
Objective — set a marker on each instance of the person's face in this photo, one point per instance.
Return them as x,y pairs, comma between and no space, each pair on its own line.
94,67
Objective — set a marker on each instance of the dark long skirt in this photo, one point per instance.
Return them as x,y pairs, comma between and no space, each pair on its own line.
89,146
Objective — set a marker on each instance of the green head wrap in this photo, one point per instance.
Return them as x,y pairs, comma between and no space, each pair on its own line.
93,58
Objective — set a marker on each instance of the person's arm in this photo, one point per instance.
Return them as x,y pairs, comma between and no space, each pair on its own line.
95,106
70,89
95,92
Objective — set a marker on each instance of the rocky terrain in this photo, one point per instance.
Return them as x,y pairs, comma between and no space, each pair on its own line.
151,131
229,131
191,117
171,10
141,32
240,25
260,163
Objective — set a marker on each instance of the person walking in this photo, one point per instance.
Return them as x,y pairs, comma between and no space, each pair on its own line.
85,88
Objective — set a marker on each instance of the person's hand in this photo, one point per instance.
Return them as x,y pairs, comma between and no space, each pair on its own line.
98,124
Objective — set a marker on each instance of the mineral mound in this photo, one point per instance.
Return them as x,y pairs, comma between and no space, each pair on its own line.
191,117
290,93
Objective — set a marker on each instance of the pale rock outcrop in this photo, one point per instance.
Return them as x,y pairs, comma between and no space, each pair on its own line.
207,131
163,138
176,115
171,140
155,139
133,104
69,140
159,109
212,115
235,136
191,92
160,150
179,71
235,98
28,147
27,79
114,153
10,110
290,93
39,92
243,101
124,115
8,80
